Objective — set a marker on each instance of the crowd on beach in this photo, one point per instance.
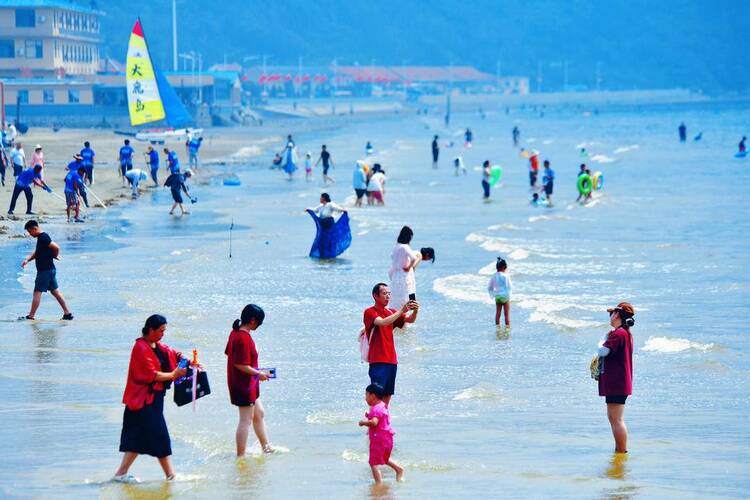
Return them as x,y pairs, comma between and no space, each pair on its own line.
79,174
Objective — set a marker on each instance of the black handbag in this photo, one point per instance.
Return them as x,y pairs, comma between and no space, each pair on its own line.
183,391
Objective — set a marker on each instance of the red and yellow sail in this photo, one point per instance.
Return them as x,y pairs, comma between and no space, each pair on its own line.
144,102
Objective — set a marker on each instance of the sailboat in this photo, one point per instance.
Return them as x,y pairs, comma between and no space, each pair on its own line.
152,101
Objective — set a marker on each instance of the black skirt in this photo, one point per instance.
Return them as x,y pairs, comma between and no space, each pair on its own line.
145,431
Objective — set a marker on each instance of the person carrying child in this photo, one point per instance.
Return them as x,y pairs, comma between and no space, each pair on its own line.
380,433
500,288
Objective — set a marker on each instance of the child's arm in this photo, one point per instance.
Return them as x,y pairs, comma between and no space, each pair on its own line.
370,422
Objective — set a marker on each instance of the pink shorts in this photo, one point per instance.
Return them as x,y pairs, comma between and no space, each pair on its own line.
380,450
377,195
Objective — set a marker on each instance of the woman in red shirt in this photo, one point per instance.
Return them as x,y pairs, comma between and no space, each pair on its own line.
244,377
153,366
616,370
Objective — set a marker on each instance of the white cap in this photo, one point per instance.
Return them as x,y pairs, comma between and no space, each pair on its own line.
38,146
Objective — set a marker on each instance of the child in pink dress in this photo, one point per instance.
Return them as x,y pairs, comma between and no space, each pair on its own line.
380,433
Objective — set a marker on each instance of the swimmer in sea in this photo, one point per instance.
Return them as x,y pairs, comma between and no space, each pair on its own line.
741,145
516,132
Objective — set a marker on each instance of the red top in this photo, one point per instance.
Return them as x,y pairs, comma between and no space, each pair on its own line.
243,387
617,378
382,347
141,385
534,160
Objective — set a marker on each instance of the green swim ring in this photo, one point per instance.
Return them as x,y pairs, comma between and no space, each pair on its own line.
585,184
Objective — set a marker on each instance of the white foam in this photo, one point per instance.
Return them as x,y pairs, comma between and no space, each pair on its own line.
586,144
464,287
247,152
537,218
519,254
362,233
329,418
669,345
353,456
603,159
477,392
507,227
625,149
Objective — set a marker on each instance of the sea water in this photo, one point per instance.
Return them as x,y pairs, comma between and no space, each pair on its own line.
477,412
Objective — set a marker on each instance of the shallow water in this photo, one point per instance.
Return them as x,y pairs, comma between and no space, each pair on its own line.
475,413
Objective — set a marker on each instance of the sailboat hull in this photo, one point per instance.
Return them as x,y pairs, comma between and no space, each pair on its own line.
160,136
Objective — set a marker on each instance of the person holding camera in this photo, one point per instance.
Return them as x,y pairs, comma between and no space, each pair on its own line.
616,370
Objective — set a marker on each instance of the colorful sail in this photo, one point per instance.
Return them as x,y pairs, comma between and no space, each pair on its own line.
144,101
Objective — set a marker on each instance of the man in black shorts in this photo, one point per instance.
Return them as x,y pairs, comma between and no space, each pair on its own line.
325,157
46,281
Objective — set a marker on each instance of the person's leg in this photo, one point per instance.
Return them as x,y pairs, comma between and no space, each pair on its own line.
16,192
166,466
397,469
127,460
387,400
615,413
134,188
506,309
498,312
259,425
376,475
243,429
153,177
60,300
29,199
171,211
77,210
36,299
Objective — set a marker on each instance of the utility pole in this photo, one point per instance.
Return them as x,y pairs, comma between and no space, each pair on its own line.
174,35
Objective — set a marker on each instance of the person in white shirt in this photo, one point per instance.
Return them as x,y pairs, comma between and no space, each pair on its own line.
500,289
326,209
18,158
134,176
403,262
376,187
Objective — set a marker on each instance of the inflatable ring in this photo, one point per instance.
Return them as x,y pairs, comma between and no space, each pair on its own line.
598,181
495,173
585,184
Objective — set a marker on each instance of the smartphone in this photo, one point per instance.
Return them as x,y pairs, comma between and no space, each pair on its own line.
412,296
271,372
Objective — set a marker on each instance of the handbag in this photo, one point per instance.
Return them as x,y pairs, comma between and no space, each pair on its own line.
183,391
364,344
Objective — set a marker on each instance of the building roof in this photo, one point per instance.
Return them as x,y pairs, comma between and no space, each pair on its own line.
88,7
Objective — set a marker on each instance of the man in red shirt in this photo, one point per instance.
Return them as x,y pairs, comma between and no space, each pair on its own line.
379,323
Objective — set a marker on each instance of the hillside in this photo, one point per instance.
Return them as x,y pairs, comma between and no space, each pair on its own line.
635,44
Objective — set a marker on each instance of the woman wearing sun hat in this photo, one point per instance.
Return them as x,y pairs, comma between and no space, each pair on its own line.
616,370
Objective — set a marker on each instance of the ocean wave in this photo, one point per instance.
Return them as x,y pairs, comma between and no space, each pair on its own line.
329,418
537,218
247,152
603,159
507,227
669,345
464,287
625,149
519,254
477,392
561,322
586,144
355,456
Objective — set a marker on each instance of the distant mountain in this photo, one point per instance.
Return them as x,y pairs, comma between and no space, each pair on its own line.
633,44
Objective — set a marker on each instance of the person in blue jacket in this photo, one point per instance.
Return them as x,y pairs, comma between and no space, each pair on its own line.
88,155
193,145
126,159
73,185
24,181
548,181
173,163
152,158
77,166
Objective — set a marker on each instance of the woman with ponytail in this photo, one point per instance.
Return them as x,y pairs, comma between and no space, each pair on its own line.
616,370
244,378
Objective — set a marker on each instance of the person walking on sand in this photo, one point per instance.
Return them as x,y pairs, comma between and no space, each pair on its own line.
27,178
46,281
325,157
152,369
18,159
435,151
244,378
152,159
173,162
380,433
88,157
379,322
615,370
500,288
125,157
38,158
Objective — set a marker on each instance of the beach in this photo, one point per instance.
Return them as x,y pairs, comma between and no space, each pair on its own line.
475,413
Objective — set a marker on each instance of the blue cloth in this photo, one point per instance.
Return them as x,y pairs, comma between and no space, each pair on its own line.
73,181
290,165
359,181
331,239
194,145
126,154
153,158
173,162
73,165
88,156
26,178
549,176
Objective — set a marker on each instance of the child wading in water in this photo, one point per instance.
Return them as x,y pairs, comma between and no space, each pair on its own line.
499,288
308,166
380,432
